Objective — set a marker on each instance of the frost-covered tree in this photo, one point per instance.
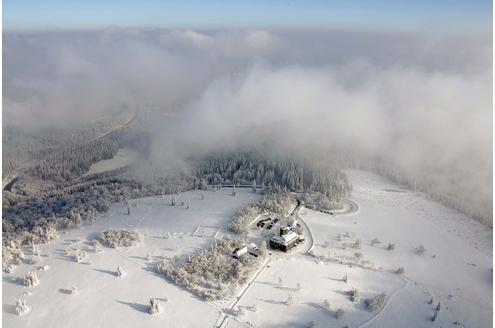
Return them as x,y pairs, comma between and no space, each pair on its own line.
390,247
356,244
31,279
97,246
326,306
77,219
212,273
339,313
21,307
74,290
420,250
240,311
289,301
80,256
311,324
44,268
120,238
376,302
120,271
353,295
276,203
128,205
375,242
254,186
435,316
35,259
34,249
156,307
11,268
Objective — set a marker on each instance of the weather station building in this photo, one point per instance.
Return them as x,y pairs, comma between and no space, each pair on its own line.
286,240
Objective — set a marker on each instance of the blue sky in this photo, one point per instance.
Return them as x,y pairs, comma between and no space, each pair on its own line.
462,15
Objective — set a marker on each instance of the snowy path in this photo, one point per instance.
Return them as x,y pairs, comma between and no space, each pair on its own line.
387,302
308,235
223,315
353,208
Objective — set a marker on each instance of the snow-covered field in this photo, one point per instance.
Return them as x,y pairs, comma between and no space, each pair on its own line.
123,158
454,269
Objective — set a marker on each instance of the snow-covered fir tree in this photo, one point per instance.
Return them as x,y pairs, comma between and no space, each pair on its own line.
31,279
21,307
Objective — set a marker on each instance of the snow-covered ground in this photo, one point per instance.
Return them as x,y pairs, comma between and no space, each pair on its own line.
123,158
454,269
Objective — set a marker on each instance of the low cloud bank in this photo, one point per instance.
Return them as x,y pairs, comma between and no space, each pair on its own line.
420,104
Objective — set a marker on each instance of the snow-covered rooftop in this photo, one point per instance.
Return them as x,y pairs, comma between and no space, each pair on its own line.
285,239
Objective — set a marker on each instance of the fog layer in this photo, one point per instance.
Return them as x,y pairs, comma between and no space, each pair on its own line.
420,106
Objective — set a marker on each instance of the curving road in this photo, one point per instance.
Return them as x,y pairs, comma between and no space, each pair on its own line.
352,208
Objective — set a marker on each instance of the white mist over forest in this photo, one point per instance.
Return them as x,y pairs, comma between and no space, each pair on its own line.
416,106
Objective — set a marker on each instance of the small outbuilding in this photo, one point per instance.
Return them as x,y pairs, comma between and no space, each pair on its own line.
250,249
239,251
